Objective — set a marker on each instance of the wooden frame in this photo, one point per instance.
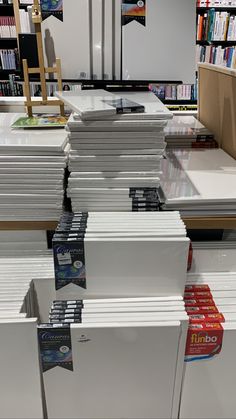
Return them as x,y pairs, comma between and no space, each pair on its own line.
27,225
217,104
41,70
209,223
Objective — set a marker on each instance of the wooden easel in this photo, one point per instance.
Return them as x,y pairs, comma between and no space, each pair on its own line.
41,70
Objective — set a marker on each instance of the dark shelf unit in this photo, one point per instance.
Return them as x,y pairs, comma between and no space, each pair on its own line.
8,43
223,43
5,73
7,9
217,9
178,102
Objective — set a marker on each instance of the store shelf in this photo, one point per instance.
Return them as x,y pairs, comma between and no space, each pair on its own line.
208,223
4,73
217,9
28,225
10,6
178,102
8,43
223,43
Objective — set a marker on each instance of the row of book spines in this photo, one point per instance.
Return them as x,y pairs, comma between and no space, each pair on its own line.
9,59
35,88
10,89
216,55
15,88
7,27
21,1
216,3
175,92
216,26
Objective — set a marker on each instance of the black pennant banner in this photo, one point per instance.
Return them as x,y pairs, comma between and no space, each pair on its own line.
55,347
52,8
69,261
134,10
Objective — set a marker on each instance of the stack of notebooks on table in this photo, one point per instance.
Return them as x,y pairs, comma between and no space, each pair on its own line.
210,369
199,182
187,132
116,148
32,166
121,254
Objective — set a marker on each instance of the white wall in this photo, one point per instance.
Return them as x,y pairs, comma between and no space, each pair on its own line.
164,49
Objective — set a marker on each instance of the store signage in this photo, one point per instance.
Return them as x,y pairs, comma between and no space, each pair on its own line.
52,8
134,10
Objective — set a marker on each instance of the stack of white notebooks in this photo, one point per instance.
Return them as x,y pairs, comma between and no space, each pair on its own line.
209,379
129,349
32,165
199,182
121,254
187,132
115,157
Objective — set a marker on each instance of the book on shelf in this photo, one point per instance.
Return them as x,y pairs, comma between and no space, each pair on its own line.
24,21
216,26
7,27
10,87
217,55
35,87
175,92
8,59
216,3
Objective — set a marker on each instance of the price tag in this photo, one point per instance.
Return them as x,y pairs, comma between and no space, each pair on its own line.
64,258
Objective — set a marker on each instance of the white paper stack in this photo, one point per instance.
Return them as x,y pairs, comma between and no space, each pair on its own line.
199,182
21,395
112,153
214,256
187,132
16,275
121,254
209,375
32,165
136,347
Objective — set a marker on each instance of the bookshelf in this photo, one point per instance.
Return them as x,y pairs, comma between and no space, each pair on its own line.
224,43
217,9
9,40
216,33
7,9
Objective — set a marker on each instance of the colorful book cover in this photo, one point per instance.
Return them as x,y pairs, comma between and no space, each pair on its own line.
40,121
